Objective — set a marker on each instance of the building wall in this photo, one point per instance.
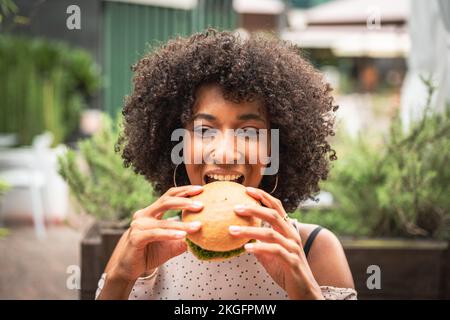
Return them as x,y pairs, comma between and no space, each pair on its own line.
259,22
117,33
47,19
305,3
130,30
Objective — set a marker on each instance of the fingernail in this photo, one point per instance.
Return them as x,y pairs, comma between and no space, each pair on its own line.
196,188
197,204
234,229
195,224
180,234
239,208
248,246
251,189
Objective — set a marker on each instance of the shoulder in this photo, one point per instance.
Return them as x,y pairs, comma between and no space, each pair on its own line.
326,257
324,239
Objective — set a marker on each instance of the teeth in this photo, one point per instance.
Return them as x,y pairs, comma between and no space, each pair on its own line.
228,177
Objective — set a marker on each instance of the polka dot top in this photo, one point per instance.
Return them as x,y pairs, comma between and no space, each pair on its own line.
241,277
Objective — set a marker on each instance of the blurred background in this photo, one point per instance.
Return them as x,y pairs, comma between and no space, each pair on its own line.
65,70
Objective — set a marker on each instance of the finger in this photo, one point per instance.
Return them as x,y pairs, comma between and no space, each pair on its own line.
149,223
143,237
258,248
184,191
274,203
267,199
163,204
176,203
271,216
172,248
177,247
266,235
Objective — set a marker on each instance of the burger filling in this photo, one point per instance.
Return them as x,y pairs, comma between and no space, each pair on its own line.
204,254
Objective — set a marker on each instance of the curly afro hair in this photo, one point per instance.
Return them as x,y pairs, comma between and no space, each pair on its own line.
297,99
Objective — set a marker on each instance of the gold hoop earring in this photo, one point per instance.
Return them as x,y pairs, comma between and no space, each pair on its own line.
276,184
174,175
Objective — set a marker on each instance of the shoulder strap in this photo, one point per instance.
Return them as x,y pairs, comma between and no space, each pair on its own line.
310,240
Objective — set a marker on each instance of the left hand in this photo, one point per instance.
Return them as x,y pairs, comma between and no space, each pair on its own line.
279,249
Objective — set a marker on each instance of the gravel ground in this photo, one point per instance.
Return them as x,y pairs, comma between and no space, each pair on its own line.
37,269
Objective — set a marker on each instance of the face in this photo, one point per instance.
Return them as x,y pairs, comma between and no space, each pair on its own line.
225,135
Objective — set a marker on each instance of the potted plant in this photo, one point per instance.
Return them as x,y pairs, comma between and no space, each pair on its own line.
106,190
45,85
393,207
3,188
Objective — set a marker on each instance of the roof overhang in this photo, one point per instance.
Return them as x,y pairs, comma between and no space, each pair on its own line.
274,7
176,4
353,41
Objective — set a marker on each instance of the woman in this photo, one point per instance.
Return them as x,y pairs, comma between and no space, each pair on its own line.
207,84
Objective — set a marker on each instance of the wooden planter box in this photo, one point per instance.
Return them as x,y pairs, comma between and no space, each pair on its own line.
409,269
96,249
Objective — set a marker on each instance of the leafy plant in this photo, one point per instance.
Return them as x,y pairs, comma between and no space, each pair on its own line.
9,11
104,188
399,188
44,86
3,187
4,232
7,7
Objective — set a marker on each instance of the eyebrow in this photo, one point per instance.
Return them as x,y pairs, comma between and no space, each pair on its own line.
205,116
242,117
251,116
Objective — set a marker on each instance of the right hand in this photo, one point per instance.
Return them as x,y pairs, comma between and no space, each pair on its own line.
150,241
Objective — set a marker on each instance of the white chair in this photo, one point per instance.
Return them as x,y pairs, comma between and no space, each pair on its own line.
25,168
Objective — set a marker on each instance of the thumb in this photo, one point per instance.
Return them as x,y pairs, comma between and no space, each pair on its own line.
174,248
178,247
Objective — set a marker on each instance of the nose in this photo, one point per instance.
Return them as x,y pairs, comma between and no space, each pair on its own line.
225,149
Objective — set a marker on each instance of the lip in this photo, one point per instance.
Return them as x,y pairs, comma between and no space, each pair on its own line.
222,172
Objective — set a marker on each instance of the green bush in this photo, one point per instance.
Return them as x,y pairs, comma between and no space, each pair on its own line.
398,188
105,189
44,86
3,187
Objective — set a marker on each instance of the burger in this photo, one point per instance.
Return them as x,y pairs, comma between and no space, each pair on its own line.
213,241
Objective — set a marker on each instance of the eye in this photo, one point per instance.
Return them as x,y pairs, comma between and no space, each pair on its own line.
205,132
247,132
